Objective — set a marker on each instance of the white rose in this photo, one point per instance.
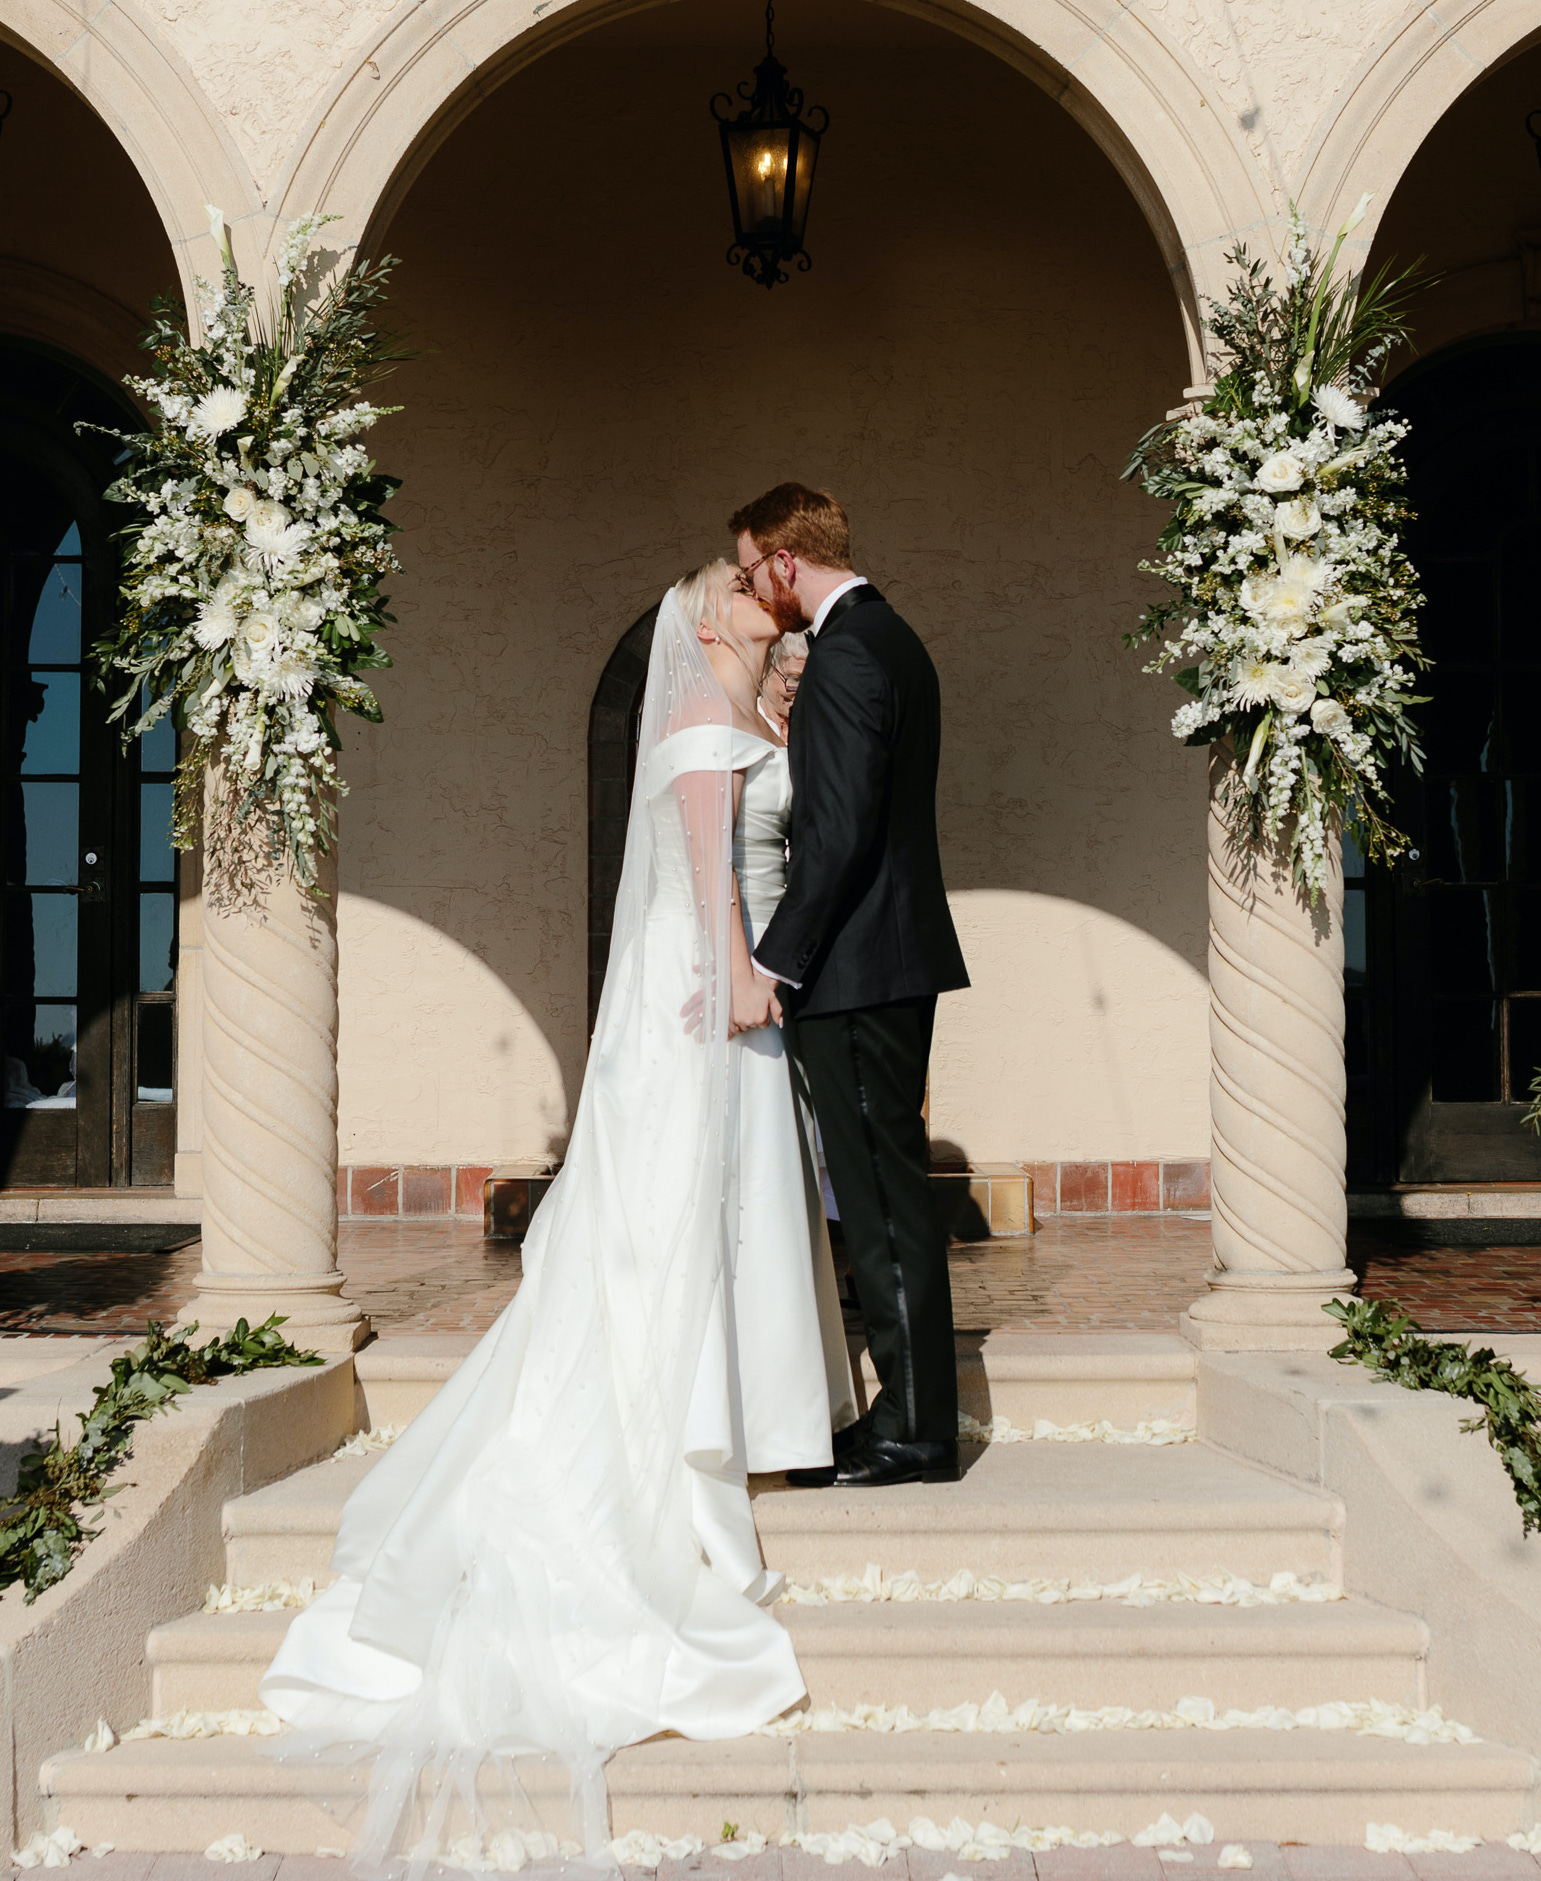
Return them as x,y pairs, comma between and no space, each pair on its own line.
1292,691
260,632
1281,472
1299,517
267,514
1328,717
238,503
308,613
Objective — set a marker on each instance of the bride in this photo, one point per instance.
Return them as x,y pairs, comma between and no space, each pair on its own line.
559,1554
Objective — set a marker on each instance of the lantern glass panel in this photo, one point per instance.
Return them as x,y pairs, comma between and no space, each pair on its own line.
759,155
805,157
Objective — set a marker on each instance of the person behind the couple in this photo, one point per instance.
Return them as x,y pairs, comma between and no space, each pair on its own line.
559,1554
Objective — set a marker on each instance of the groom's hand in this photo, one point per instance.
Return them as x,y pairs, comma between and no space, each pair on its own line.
754,999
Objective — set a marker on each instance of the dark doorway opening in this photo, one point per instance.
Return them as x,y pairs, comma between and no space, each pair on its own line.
89,910
1445,1018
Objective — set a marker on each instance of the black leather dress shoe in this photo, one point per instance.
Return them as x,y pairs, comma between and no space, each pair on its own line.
880,1461
845,1441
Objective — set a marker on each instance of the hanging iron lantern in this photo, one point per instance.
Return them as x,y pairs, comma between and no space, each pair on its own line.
770,150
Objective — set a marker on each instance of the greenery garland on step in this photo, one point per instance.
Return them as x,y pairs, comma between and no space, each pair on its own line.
43,1526
1383,1337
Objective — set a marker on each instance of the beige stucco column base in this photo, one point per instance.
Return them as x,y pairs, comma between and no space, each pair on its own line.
269,1096
1276,1092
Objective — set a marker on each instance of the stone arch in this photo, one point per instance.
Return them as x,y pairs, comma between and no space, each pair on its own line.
1400,91
612,734
155,108
1128,85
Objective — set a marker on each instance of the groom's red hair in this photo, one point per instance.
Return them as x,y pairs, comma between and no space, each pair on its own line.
809,524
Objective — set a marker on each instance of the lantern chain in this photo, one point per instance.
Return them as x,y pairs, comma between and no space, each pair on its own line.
770,29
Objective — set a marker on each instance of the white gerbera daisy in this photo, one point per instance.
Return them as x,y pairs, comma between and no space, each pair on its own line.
217,412
1338,408
292,676
1312,657
1252,681
277,544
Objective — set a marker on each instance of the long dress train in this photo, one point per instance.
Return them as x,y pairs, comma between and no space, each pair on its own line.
558,1555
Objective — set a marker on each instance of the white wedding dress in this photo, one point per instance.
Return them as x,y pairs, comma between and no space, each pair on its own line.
558,1556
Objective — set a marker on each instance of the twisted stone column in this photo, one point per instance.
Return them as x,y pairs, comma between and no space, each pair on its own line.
269,1100
1276,1092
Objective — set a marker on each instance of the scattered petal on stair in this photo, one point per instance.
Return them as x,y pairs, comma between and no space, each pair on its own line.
186,1724
102,1738
366,1442
1385,1838
509,1851
1528,1839
268,1598
48,1851
1235,1855
1217,1590
232,1847
1370,1718
1157,1430
750,1843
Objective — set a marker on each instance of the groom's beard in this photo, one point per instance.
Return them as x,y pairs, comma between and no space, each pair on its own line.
782,606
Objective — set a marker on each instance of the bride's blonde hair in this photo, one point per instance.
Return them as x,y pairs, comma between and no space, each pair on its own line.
706,596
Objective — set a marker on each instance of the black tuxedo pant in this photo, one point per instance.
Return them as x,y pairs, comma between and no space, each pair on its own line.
866,1074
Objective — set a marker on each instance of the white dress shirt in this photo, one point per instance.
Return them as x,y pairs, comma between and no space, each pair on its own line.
822,615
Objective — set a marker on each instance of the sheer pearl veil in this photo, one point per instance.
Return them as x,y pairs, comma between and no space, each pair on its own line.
521,1573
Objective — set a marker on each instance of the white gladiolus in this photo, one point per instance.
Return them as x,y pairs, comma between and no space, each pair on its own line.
1338,408
239,503
1292,691
1282,472
1299,517
1329,718
217,412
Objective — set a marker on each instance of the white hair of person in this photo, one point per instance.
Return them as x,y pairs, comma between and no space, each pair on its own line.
793,646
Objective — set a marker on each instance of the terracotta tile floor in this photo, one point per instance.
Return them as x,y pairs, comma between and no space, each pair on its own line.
1086,1275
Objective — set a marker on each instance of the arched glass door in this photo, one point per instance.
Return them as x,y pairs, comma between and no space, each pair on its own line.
88,923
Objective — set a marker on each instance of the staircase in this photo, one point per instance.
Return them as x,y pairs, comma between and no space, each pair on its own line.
1092,1511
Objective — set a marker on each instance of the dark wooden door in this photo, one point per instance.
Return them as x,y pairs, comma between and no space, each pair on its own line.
88,922
1459,958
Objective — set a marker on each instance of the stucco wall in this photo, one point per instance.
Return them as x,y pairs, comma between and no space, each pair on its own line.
986,329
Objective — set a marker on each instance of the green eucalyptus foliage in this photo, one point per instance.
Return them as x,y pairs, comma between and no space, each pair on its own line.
1383,1337
45,1525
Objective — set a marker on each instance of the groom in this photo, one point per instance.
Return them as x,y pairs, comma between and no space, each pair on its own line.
863,942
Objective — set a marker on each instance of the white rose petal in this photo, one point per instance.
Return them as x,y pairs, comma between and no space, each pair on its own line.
1300,517
260,632
268,514
1292,691
239,503
1329,718
1235,1855
1284,471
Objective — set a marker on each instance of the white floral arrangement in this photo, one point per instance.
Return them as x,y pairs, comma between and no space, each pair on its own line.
252,563
1293,625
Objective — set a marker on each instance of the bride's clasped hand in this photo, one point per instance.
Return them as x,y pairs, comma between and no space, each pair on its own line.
558,1556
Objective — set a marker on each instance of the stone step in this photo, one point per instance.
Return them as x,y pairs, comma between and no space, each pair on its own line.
1088,1510
938,1653
1068,1378
1306,1786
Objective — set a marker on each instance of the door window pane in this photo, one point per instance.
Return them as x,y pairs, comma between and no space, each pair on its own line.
1460,724
1353,937
1465,1051
158,746
1524,1047
157,928
1522,834
39,1056
157,859
1353,860
1462,611
52,739
1462,940
46,848
40,943
1526,977
1464,830
55,636
154,1053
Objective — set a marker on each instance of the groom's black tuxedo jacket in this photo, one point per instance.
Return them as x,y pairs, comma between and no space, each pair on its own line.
864,919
